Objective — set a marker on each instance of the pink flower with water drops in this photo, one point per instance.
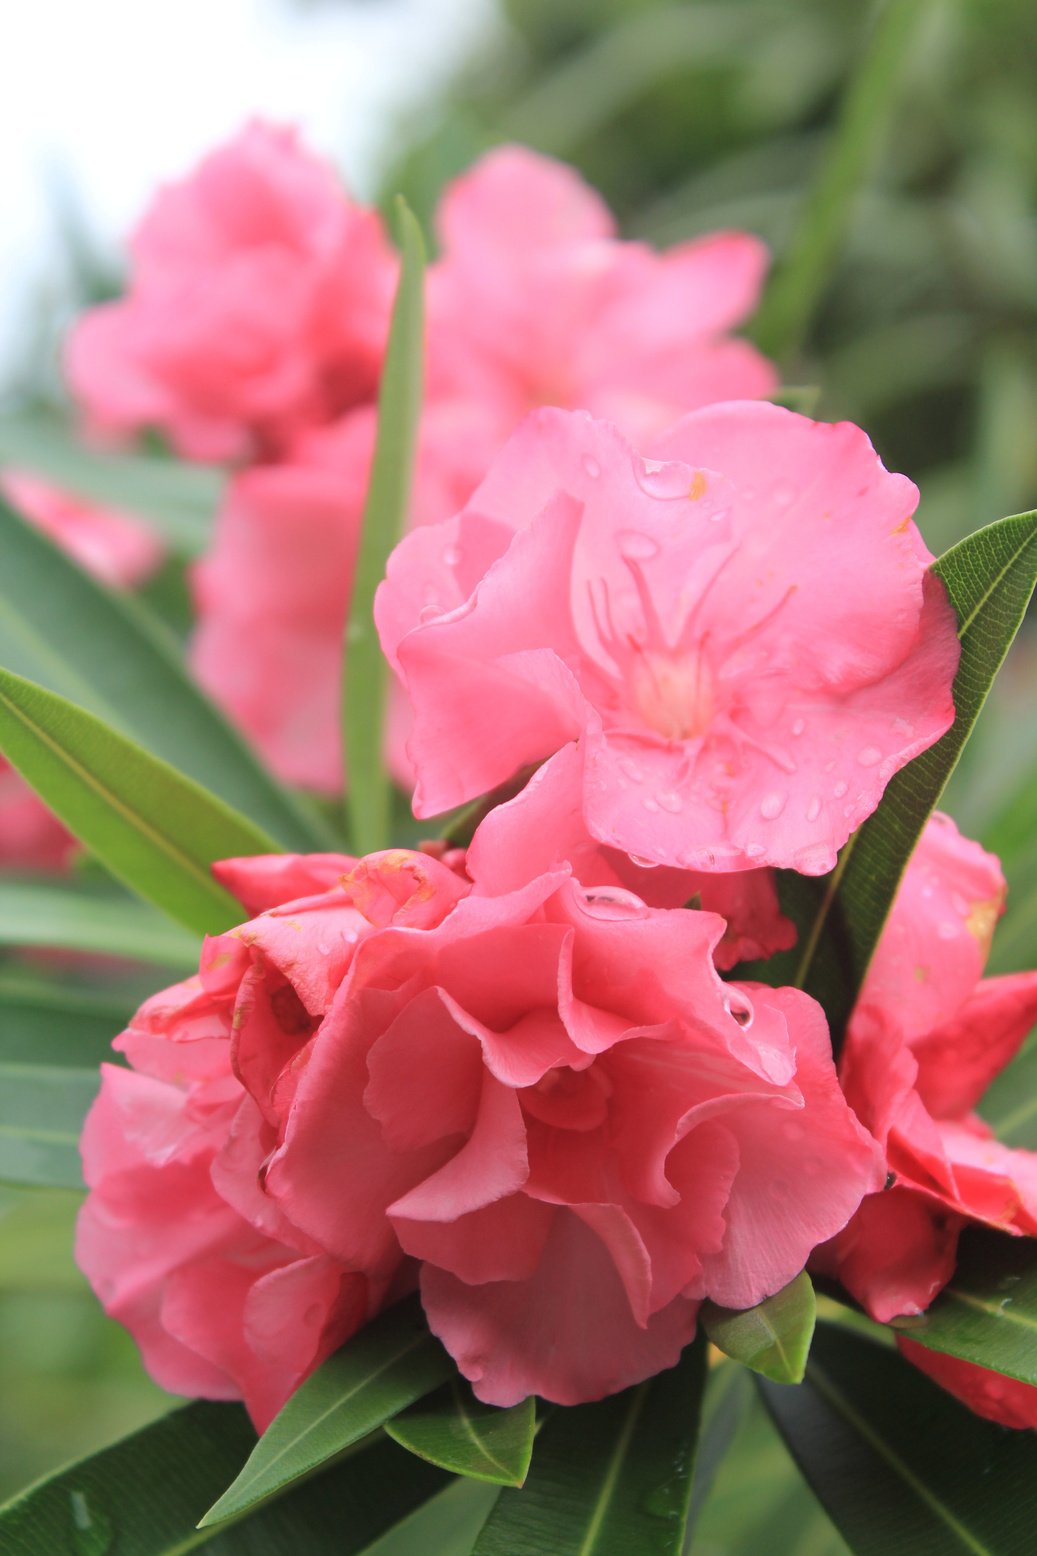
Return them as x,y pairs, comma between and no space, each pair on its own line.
737,635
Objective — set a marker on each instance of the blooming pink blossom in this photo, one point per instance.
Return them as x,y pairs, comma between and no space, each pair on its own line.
536,302
543,1105
739,635
926,1038
987,1393
119,551
258,305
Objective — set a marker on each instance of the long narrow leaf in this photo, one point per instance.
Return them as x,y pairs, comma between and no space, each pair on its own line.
67,918
455,1430
365,679
897,1463
989,579
42,1108
385,1368
143,1497
155,829
64,630
610,1478
987,1313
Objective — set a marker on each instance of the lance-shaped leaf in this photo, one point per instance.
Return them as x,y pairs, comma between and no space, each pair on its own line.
989,579
609,1478
176,499
729,1396
458,1432
68,918
143,1496
64,630
900,1465
388,1365
365,680
156,830
42,1108
48,1023
987,1313
772,1338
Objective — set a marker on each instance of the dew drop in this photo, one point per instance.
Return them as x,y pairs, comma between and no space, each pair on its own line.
840,789
799,726
612,902
671,801
591,466
719,515
960,904
650,805
739,1008
643,863
948,931
637,547
632,770
755,850
814,808
869,756
451,555
772,805
783,495
666,480
792,1131
92,1531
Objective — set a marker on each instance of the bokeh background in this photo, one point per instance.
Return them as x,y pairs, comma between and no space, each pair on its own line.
888,156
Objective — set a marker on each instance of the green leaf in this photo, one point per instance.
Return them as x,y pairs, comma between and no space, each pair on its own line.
388,1365
175,499
728,1397
365,682
62,629
772,1338
68,918
899,1464
987,1313
455,1430
156,830
446,1525
142,1497
42,1108
611,1478
989,579
801,278
45,1023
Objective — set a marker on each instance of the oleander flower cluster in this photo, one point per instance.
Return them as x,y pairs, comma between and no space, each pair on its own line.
676,639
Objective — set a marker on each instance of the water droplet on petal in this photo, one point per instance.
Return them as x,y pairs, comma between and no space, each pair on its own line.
612,902
671,801
755,850
792,1131
840,789
643,863
591,466
650,804
799,726
948,931
772,805
632,770
666,480
637,547
92,1531
783,494
740,1008
814,808
869,756
451,555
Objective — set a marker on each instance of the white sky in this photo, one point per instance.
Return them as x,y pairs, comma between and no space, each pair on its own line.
109,96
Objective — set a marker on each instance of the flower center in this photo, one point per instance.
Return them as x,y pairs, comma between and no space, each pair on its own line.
672,692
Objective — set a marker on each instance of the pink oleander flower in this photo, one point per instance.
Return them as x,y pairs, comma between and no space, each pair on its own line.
535,301
986,1393
258,305
543,829
119,551
926,1038
543,1107
738,634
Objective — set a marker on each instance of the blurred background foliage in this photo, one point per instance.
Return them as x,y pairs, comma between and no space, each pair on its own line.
888,155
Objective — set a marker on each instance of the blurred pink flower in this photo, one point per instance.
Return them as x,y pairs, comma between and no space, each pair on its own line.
535,301
258,305
543,1104
987,1393
739,634
926,1038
